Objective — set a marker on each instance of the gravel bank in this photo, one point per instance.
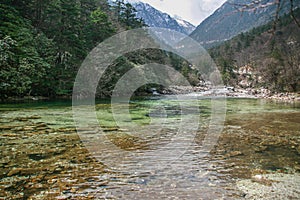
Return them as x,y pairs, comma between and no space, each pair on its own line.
234,92
271,186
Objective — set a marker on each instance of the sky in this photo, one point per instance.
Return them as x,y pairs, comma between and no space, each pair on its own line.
193,11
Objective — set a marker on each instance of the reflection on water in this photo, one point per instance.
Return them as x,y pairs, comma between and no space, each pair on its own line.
42,156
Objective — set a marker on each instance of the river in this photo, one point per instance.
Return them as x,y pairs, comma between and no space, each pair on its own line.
162,152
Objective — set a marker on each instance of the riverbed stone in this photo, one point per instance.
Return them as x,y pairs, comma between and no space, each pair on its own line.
233,154
14,171
7,127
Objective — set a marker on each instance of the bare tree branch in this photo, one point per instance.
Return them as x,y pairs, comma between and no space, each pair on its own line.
276,20
292,13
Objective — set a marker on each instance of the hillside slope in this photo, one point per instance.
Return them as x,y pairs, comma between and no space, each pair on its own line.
226,22
262,58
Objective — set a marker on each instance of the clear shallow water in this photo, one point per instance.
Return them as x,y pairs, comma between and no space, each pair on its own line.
43,157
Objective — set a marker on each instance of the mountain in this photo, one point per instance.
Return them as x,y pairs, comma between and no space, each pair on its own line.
227,21
262,57
155,18
185,24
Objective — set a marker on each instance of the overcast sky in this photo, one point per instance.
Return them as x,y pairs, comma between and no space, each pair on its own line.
193,11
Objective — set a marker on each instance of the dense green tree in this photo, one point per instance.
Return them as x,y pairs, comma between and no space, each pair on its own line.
126,15
29,63
44,42
98,28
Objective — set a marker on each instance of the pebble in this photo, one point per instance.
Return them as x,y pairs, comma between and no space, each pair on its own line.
257,177
234,153
14,171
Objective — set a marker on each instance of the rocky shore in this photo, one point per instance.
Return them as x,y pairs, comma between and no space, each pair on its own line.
271,186
261,93
264,94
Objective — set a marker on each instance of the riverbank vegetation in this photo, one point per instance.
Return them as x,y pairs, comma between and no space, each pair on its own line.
43,43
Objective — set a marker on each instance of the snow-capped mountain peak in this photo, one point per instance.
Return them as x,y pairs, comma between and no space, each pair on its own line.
190,27
155,18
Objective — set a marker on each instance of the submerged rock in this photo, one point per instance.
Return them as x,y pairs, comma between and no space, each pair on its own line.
7,127
109,129
14,171
234,153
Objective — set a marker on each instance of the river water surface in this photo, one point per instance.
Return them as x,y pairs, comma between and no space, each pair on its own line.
42,156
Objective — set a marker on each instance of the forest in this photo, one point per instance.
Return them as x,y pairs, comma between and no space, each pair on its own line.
42,43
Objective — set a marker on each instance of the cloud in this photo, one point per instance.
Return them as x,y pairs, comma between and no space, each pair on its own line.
201,9
193,11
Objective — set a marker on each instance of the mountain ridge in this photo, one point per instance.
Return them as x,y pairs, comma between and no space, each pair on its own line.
155,18
227,21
